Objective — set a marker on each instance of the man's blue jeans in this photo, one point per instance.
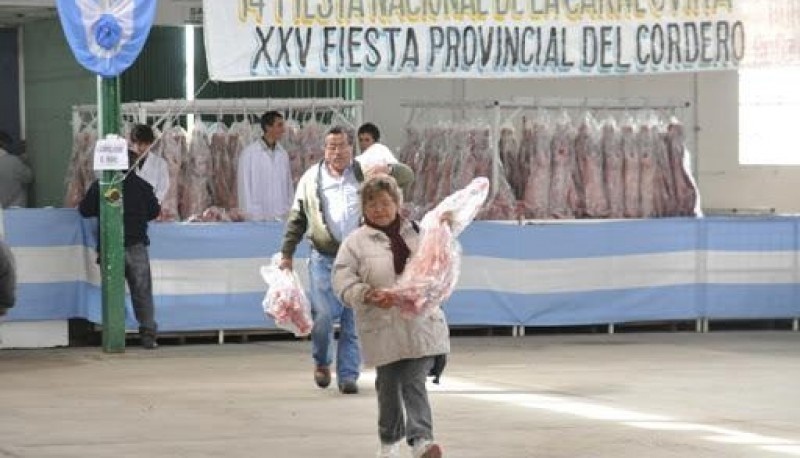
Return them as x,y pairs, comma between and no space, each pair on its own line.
325,309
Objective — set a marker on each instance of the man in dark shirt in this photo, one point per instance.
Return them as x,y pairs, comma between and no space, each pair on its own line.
139,205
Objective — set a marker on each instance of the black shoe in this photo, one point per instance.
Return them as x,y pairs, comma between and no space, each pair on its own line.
322,376
348,387
149,343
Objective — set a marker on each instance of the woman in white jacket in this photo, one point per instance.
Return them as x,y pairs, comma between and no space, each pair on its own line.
402,350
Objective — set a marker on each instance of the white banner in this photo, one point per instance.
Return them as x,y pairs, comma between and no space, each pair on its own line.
260,39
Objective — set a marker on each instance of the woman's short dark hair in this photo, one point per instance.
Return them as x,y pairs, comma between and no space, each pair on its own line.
378,184
142,133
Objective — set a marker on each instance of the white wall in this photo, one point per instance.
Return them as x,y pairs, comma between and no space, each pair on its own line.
724,184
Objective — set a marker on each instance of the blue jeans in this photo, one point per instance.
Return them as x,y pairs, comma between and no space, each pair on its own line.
325,309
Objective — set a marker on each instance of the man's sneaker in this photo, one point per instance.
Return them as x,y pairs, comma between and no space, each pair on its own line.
322,376
426,449
389,450
348,387
149,343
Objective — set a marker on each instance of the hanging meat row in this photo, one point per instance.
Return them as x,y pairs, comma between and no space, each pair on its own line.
202,166
600,171
554,170
446,158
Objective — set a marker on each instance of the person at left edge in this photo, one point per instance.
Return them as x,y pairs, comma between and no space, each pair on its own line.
327,209
15,176
139,206
8,278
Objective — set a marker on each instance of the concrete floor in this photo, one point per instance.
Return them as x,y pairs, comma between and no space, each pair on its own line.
625,395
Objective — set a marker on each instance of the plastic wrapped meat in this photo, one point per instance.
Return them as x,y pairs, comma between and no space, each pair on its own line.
514,161
436,150
285,301
590,163
80,174
215,214
686,194
449,166
563,191
410,150
630,153
431,276
173,150
537,192
612,154
665,190
291,142
193,190
239,136
312,138
432,272
647,172
221,165
503,205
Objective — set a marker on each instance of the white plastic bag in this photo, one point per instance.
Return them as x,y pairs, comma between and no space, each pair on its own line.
376,154
285,301
432,272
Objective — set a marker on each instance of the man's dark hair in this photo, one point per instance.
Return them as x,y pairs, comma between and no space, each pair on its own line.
5,140
371,129
338,130
142,133
268,119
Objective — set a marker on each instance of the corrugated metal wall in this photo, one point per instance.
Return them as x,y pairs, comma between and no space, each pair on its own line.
54,83
159,73
349,89
9,84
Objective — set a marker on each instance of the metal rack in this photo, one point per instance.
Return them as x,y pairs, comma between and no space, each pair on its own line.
346,112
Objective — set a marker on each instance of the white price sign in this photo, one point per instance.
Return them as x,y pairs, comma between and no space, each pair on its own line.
111,153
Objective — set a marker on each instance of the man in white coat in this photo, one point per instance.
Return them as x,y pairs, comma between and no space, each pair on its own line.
264,176
151,167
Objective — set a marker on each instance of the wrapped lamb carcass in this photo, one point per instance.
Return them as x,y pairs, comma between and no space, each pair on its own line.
285,301
432,272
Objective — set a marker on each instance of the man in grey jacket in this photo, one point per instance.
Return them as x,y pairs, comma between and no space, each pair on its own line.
326,209
14,176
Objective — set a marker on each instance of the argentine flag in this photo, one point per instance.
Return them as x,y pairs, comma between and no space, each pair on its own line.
106,36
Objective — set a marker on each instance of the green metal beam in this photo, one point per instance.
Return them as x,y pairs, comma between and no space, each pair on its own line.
112,259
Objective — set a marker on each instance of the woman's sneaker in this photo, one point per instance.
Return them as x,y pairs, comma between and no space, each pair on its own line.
389,450
426,449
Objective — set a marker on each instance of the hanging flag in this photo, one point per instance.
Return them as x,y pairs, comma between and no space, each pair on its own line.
106,36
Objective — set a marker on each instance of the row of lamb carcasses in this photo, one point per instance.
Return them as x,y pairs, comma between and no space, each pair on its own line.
555,170
202,166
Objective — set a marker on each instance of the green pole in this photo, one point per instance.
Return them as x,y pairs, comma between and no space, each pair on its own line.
112,262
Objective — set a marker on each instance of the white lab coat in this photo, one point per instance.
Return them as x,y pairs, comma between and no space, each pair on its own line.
264,182
156,172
